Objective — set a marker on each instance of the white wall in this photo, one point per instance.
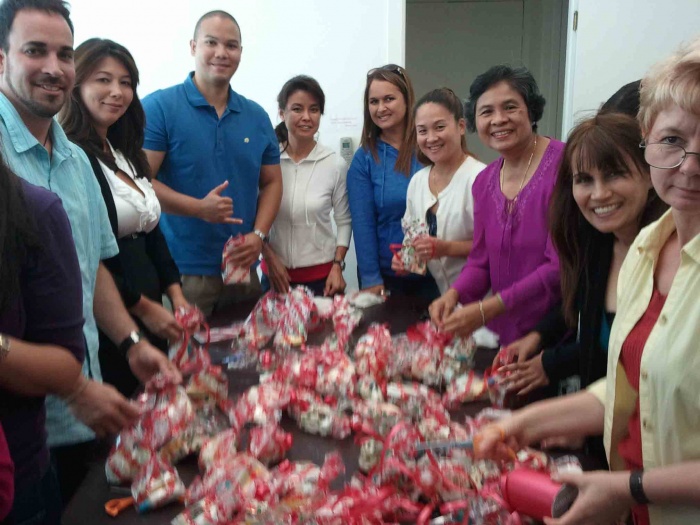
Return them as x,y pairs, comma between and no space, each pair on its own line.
335,41
616,42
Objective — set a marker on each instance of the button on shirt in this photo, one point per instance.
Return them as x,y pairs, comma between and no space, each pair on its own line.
669,390
67,173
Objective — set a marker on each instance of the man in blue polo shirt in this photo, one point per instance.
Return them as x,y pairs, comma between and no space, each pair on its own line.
209,148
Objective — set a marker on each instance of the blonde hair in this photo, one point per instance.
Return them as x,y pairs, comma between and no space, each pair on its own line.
675,80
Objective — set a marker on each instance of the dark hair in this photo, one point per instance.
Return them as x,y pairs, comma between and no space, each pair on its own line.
17,235
518,78
10,8
625,100
126,134
298,83
446,98
397,76
610,143
211,14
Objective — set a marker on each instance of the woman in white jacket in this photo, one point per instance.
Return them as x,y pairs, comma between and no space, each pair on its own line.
303,248
441,193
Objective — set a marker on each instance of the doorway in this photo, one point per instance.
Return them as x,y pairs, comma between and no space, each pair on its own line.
450,42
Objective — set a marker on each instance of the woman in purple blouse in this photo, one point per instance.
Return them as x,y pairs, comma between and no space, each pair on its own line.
512,255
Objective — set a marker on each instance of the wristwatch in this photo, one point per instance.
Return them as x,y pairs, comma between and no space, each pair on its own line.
340,263
4,347
131,339
264,238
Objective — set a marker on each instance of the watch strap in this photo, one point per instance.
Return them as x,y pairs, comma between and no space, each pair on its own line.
340,263
637,488
264,238
4,347
130,340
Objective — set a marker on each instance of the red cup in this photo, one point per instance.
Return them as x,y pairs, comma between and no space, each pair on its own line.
534,494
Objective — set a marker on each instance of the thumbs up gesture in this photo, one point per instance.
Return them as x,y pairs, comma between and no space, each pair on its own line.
217,209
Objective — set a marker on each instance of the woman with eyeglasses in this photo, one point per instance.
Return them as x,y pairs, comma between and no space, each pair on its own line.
648,406
512,254
303,248
378,180
441,193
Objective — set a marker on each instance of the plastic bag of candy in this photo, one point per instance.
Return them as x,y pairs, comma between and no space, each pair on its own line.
293,324
230,272
412,231
156,485
269,444
373,352
262,323
192,321
218,448
304,478
261,404
315,416
467,387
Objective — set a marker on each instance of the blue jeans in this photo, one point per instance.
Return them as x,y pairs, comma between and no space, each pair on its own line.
38,503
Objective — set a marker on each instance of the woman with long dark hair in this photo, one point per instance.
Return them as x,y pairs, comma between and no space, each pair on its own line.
441,193
303,248
378,180
104,116
41,336
602,198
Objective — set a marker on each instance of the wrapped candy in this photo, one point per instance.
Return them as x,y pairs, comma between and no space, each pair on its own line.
210,383
269,444
417,401
370,453
261,404
345,319
166,411
230,272
466,388
217,449
241,479
192,321
156,485
315,416
381,417
412,231
300,478
373,352
263,320
296,315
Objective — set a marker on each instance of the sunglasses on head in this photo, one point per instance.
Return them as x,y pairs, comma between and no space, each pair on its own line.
392,68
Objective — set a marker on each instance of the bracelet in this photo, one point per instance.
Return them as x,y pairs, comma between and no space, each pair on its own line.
500,300
636,487
483,316
79,390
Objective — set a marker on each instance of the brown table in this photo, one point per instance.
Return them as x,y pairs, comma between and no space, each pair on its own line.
87,507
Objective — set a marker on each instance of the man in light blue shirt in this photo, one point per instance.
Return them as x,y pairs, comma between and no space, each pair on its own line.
37,75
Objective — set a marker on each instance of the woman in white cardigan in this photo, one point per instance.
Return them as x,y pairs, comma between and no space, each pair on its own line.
441,193
303,248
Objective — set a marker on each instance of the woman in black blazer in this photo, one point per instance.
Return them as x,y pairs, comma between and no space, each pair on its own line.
104,116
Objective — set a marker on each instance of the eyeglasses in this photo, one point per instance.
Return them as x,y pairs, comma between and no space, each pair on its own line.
392,68
665,156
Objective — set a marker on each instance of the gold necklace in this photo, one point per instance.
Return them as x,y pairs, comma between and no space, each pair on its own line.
510,204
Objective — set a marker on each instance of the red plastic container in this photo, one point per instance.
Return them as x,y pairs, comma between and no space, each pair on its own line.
535,494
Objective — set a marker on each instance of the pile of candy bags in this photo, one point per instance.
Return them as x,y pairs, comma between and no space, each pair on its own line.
383,389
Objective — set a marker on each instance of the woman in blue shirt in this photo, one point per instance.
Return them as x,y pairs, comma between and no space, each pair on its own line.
378,181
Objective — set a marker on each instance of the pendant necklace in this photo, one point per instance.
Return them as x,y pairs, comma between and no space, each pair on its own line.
510,204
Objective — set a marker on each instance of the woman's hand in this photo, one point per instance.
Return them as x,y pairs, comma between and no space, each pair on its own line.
500,440
157,319
464,321
102,408
426,247
335,283
603,498
526,377
522,349
442,307
397,265
277,273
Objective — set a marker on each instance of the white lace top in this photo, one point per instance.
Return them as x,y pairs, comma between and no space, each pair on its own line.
136,212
